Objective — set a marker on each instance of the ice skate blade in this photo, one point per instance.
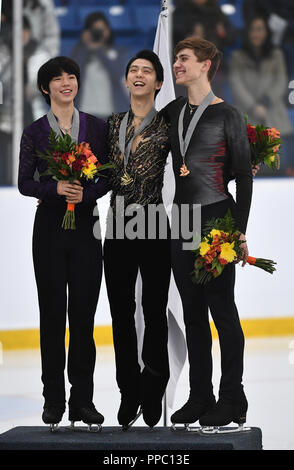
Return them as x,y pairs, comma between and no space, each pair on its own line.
209,430
128,426
184,428
53,427
90,427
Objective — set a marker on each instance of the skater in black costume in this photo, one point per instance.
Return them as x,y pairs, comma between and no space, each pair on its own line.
139,145
218,151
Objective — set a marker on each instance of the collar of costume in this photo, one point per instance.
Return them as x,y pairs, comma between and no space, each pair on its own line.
126,149
74,128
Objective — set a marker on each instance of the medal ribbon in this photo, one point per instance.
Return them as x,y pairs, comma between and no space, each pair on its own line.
184,143
74,128
126,150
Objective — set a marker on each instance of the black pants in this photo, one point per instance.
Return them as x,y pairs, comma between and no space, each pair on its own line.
218,297
68,271
122,261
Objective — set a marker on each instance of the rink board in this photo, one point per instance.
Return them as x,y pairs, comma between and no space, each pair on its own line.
135,439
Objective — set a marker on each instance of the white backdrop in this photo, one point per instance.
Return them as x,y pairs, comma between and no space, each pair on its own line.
258,294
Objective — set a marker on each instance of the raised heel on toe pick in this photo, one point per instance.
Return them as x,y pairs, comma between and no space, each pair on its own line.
125,427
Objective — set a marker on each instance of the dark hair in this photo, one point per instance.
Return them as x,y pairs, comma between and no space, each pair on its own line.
53,68
93,17
266,48
98,16
154,59
203,50
26,24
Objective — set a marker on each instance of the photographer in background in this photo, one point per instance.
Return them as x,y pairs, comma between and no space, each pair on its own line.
102,69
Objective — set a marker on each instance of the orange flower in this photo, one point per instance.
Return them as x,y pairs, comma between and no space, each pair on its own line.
92,158
84,148
208,258
275,133
216,240
71,158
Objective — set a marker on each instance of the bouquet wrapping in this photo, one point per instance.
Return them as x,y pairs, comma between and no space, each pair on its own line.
69,161
219,246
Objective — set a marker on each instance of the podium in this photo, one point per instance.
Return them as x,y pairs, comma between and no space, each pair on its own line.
112,441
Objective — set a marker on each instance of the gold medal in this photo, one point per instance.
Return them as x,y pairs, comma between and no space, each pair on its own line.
126,179
184,170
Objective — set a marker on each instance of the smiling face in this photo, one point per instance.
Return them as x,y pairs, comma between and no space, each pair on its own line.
141,79
188,69
63,88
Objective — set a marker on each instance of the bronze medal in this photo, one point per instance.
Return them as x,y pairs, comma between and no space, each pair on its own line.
184,170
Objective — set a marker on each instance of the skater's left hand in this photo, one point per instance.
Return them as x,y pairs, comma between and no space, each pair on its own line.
245,251
76,195
255,169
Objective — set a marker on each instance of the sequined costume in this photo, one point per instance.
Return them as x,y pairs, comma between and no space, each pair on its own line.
146,164
124,258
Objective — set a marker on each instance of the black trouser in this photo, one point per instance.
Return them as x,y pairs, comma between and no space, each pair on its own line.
122,261
68,270
218,297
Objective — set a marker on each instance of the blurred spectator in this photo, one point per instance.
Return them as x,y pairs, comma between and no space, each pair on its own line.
280,17
6,105
44,24
34,55
259,83
102,67
278,13
204,18
254,8
33,104
41,40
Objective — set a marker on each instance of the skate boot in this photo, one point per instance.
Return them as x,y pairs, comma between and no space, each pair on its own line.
153,385
88,414
224,413
128,412
190,413
52,415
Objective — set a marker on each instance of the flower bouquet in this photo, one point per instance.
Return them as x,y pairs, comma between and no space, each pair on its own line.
264,144
70,161
220,245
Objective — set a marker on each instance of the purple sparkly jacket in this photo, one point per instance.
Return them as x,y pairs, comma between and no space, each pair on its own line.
35,137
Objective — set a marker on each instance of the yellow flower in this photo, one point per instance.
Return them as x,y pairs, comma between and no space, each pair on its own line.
204,248
214,232
89,171
227,252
